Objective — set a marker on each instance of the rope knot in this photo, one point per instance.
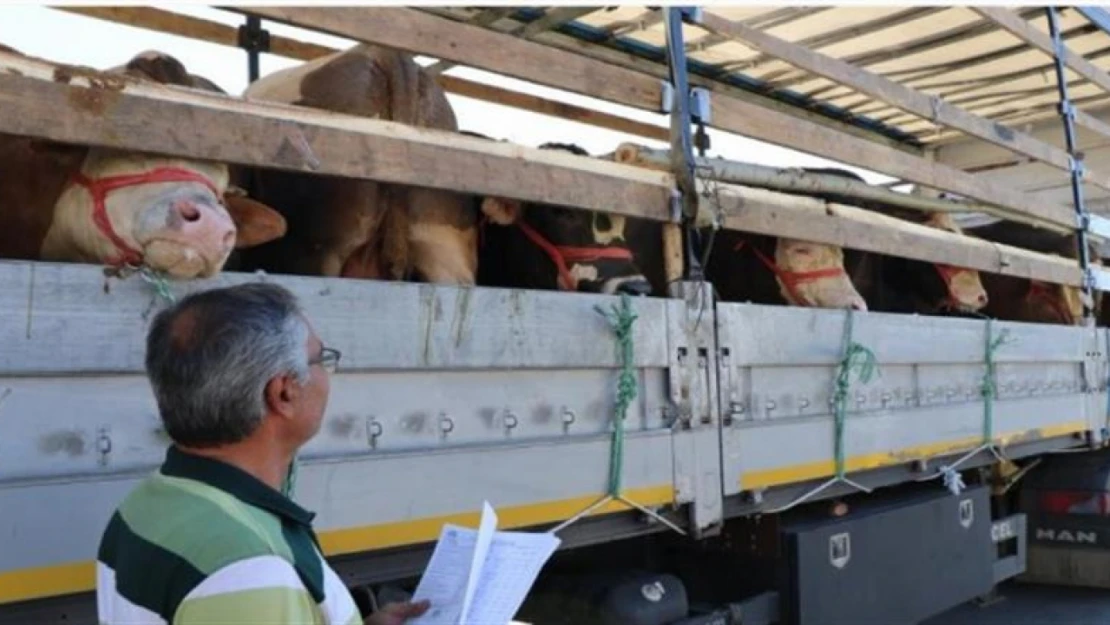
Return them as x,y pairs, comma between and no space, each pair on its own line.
621,320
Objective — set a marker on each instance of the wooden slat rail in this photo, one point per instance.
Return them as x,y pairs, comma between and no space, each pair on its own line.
54,102
1015,25
422,33
1092,123
910,100
768,212
222,34
57,103
775,213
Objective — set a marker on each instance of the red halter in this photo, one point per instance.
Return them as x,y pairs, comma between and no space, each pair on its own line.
100,187
563,254
791,279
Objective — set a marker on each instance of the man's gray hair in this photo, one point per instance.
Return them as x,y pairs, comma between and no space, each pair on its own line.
210,356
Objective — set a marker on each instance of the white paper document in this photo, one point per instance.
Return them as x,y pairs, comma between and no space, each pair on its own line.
481,577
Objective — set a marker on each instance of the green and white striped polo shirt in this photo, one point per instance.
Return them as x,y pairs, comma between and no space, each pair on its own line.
201,541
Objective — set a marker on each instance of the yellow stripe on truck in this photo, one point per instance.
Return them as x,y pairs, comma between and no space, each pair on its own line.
75,577
826,468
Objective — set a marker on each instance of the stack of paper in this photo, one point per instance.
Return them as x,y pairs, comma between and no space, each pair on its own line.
481,577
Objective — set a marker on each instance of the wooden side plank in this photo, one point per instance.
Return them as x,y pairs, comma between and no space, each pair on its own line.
1025,31
768,212
215,32
1092,123
125,114
759,123
421,33
891,92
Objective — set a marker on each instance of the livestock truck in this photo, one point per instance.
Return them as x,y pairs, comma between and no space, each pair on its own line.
775,463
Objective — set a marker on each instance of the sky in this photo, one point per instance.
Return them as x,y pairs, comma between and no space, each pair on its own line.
38,31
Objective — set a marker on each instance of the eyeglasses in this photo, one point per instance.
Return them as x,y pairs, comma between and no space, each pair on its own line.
328,359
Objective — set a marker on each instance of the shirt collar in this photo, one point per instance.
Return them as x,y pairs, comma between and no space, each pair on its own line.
234,481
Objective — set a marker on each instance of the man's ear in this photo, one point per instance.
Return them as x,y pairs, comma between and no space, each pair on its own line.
281,395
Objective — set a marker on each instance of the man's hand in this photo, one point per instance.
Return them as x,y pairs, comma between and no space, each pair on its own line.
397,613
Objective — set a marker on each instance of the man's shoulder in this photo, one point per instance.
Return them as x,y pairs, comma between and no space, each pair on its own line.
193,520
171,534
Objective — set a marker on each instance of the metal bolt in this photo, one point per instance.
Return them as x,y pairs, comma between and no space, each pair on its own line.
803,403
568,416
103,444
771,405
510,420
373,430
446,424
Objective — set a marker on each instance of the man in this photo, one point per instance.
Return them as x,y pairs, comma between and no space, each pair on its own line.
241,381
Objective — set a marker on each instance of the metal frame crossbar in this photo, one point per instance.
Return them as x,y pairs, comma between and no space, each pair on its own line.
1085,222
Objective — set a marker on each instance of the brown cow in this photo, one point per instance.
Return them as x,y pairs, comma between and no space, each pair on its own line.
529,246
1021,299
78,204
362,228
903,285
749,267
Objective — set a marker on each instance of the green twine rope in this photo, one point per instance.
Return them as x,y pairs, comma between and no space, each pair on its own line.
987,387
621,321
855,357
159,282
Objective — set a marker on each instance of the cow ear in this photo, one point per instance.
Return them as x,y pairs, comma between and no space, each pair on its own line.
501,211
255,223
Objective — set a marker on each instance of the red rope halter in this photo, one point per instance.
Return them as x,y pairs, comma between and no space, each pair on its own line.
99,188
561,255
791,279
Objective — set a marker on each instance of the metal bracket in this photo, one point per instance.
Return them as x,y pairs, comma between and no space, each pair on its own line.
1077,165
1095,224
1066,109
1097,278
701,109
254,39
692,15
666,97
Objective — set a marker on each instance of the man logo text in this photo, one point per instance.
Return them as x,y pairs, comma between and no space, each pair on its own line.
1065,536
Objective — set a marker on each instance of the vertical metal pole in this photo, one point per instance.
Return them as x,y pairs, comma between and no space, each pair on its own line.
254,40
1068,116
682,153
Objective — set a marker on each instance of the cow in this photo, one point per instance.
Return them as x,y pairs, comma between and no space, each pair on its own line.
902,285
71,203
749,267
763,269
1021,299
363,228
528,245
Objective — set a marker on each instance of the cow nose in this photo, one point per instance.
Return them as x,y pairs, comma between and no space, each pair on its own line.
202,224
636,286
982,299
187,210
